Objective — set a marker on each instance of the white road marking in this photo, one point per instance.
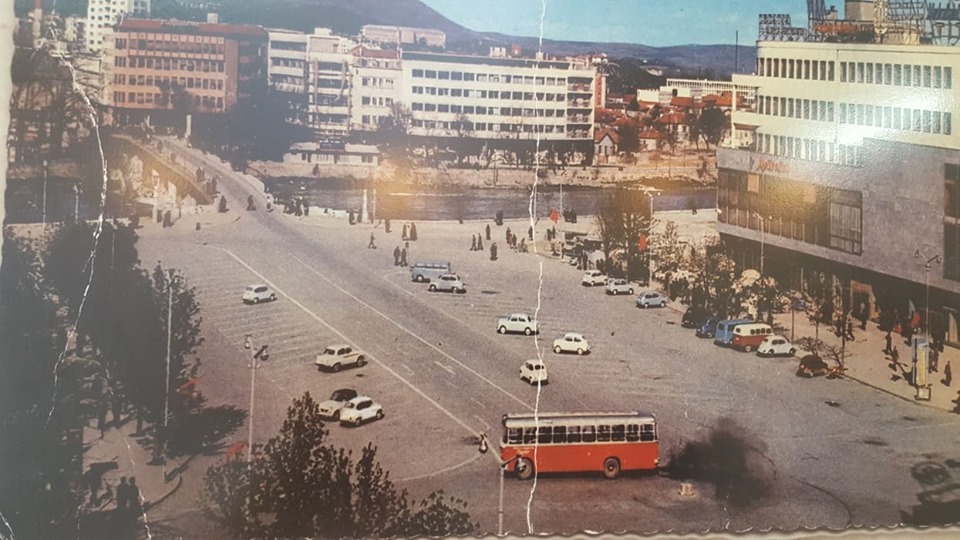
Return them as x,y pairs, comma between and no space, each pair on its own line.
486,426
446,368
412,334
399,288
482,406
473,458
406,367
316,317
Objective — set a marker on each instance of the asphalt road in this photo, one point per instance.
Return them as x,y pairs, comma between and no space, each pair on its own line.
837,453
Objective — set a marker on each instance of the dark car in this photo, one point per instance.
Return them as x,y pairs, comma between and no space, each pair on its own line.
708,328
694,317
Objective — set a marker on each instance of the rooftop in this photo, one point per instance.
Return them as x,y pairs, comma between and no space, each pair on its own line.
190,27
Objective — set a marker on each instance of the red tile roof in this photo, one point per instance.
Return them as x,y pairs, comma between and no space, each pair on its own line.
169,26
672,118
606,133
680,101
649,134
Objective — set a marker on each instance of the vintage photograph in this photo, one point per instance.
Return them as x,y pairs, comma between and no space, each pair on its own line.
410,268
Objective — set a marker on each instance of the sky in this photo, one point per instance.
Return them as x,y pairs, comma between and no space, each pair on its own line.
647,22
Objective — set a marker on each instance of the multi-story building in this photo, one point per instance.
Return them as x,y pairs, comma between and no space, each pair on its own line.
854,172
102,15
498,98
375,87
156,65
401,34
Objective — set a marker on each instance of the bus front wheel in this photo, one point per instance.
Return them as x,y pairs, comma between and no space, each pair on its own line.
611,468
524,469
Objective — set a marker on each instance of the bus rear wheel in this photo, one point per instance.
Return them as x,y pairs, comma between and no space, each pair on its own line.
611,468
524,469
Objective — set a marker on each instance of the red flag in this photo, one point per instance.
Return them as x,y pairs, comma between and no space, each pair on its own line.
642,243
187,388
234,449
554,215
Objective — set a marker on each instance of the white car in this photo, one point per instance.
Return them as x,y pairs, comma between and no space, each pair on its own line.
619,286
448,283
336,356
359,410
776,346
571,342
331,407
518,322
534,372
593,277
254,294
651,299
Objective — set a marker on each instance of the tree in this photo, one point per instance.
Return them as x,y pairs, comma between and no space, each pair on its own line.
623,217
670,252
629,133
296,469
711,126
722,286
766,297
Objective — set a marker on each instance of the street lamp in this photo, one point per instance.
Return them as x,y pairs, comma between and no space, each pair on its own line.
763,221
255,358
650,196
926,283
482,448
46,172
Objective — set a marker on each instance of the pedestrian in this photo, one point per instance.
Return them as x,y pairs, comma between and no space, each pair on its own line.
167,219
413,231
530,232
864,315
493,251
371,245
479,243
889,341
117,408
103,406
850,330
396,256
386,225
473,242
403,257
306,208
133,495
947,374
160,215
488,232
94,483
523,245
122,495
895,356
403,235
934,359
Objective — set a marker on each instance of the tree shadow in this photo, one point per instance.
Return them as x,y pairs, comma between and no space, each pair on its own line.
204,431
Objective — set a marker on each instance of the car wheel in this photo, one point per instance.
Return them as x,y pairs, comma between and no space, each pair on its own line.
748,348
556,349
432,287
336,416
663,304
418,279
527,331
336,367
580,352
793,351
615,292
256,299
361,361
380,414
611,468
524,469
357,422
630,292
502,329
273,297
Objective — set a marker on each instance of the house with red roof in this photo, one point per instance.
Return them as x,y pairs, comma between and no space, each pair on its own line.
605,146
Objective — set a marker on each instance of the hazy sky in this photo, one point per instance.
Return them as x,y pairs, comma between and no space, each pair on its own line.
648,22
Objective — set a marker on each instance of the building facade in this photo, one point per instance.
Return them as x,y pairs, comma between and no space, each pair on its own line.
102,15
400,35
375,87
154,65
854,170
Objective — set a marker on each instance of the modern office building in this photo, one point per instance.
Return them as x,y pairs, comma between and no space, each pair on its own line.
401,35
853,172
375,87
102,15
154,65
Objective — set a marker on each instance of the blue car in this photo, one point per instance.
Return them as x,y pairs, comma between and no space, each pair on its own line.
708,328
724,333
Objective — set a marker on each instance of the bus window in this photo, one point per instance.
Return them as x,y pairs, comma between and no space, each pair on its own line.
647,433
618,432
589,434
514,436
529,435
633,433
559,434
573,434
545,434
603,433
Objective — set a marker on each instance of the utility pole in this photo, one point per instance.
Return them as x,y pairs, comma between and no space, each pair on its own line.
166,392
46,168
255,358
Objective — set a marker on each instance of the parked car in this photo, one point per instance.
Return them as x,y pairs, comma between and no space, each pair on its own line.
448,283
254,294
776,346
619,286
331,407
812,366
708,328
747,337
651,299
518,322
724,333
534,371
593,277
694,317
571,342
359,410
335,357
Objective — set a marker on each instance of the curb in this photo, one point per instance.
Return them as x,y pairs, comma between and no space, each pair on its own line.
148,505
896,395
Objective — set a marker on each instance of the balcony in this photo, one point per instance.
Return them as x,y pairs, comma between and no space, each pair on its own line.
578,134
579,103
579,119
579,88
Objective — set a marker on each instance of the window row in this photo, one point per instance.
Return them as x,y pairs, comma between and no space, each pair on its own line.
170,46
378,101
502,111
168,64
810,149
897,118
163,100
183,82
790,68
485,77
806,109
487,127
581,434
378,82
897,74
488,94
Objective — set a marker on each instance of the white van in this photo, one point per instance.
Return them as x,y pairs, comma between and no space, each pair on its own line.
426,271
747,337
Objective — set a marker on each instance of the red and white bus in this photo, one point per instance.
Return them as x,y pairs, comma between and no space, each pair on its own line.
579,442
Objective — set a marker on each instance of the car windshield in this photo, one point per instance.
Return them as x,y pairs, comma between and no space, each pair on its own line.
250,288
330,351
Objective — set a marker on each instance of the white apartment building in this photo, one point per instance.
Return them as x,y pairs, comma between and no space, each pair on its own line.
855,170
399,35
375,87
498,98
102,15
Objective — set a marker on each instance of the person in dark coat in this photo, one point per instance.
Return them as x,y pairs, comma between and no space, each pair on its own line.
889,341
530,232
479,243
167,219
396,256
306,208
133,495
122,495
493,251
403,257
413,231
386,225
488,232
371,245
403,234
473,242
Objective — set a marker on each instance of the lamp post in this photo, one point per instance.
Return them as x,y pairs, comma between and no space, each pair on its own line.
76,206
926,283
650,196
46,169
255,358
763,221
166,392
482,448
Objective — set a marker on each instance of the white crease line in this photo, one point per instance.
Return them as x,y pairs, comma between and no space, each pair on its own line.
486,426
412,334
406,367
446,368
339,334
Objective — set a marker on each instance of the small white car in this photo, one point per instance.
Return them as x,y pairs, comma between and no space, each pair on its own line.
534,372
359,410
593,277
570,342
619,286
331,407
335,357
448,283
776,346
651,299
254,294
518,322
